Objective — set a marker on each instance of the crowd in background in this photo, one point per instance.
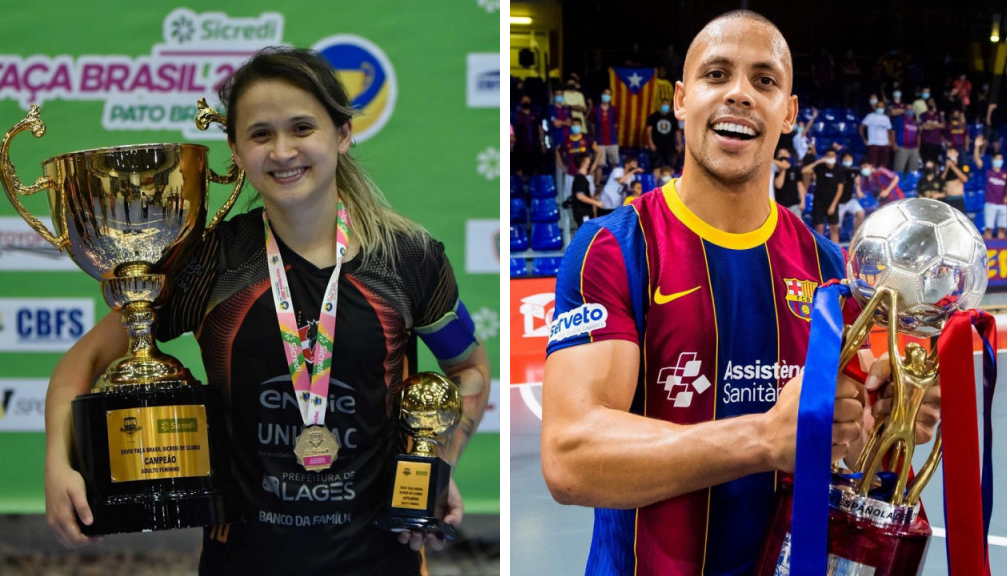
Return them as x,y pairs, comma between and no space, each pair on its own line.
865,140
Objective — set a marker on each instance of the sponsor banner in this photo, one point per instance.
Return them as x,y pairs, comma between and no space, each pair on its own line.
996,251
22,405
482,246
22,249
483,81
531,310
43,324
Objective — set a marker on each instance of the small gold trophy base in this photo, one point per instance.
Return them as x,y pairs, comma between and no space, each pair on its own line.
420,483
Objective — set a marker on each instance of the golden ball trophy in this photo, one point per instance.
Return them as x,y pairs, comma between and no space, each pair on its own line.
430,407
150,441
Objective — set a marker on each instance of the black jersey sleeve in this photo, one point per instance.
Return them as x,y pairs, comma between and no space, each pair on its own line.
436,288
189,291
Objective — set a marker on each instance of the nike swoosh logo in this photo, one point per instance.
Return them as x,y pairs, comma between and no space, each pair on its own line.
663,299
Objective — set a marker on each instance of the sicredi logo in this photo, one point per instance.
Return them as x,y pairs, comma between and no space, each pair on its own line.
537,311
678,379
22,249
158,91
581,320
368,76
43,324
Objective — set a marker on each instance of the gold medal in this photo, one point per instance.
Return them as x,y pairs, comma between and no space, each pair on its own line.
316,448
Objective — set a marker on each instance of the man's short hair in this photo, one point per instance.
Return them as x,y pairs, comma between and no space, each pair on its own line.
788,61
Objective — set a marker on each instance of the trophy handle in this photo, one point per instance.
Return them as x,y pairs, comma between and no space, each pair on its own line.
13,187
204,118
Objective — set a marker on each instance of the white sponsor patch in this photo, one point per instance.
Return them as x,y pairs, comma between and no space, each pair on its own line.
22,405
22,249
482,80
581,320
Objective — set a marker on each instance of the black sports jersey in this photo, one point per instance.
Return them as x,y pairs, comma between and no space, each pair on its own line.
301,522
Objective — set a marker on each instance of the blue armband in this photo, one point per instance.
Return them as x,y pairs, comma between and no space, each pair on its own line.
452,338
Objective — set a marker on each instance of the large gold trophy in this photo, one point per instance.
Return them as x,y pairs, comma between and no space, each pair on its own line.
430,408
150,440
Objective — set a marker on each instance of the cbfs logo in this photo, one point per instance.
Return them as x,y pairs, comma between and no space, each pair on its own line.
368,76
43,324
683,379
537,311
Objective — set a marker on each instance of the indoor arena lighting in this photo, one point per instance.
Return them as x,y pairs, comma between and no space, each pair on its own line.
520,20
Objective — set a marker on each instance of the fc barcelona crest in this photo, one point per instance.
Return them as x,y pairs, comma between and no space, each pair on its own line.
799,294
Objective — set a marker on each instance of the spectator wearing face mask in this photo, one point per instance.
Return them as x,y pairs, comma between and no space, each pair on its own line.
931,185
661,138
574,98
996,184
877,134
529,140
957,136
606,131
829,183
907,135
788,186
578,143
880,182
931,131
849,202
954,177
665,174
559,120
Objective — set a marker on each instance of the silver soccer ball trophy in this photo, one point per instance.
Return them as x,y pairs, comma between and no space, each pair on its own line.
928,252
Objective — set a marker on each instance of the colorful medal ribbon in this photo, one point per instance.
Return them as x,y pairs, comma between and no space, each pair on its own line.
311,393
967,511
813,462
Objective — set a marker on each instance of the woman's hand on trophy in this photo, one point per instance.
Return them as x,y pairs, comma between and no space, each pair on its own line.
65,499
879,379
450,509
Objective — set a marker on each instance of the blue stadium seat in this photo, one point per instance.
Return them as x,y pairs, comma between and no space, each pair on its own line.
846,229
975,200
975,181
544,210
543,186
516,187
518,238
518,211
643,160
647,180
868,202
910,193
545,266
546,236
909,180
518,268
830,114
975,129
850,116
979,219
809,199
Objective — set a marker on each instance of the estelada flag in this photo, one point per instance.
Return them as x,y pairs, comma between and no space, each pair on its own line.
633,98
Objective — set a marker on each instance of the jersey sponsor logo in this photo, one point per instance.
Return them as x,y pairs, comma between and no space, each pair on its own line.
368,76
581,320
799,295
664,299
755,382
301,487
683,380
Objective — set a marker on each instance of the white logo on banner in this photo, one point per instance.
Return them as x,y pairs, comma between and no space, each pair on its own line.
43,324
488,163
22,249
483,80
156,91
490,5
487,323
537,310
482,246
22,405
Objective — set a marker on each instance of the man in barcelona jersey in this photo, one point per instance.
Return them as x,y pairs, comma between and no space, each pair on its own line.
680,332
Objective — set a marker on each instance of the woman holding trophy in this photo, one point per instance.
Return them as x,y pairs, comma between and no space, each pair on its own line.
311,406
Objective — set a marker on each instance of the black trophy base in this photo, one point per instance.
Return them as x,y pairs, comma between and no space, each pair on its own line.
133,495
401,518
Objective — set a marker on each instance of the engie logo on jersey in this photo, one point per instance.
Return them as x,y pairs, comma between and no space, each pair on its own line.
43,324
581,320
369,79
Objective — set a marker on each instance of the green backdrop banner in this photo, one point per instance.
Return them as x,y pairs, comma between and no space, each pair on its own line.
424,74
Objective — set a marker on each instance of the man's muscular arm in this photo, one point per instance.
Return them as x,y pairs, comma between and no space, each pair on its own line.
595,453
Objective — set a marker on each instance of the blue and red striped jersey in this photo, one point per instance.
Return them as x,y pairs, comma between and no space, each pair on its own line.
722,322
